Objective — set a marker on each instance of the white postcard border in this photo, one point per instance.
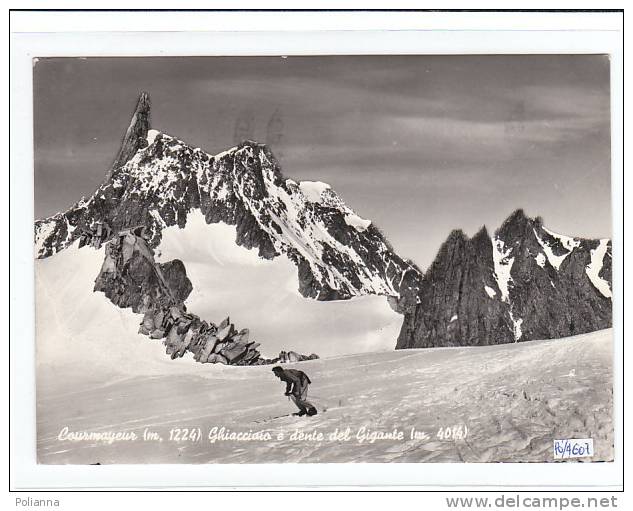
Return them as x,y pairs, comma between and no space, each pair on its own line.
423,34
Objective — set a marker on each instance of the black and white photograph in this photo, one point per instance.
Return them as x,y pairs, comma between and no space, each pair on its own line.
323,259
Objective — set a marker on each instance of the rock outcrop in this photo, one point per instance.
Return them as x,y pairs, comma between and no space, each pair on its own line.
525,283
131,278
136,134
454,308
293,356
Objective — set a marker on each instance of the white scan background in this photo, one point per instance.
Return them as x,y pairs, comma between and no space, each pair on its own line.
138,34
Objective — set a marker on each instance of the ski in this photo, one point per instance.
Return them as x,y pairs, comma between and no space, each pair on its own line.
268,419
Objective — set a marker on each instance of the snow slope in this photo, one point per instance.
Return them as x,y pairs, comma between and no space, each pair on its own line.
514,400
595,267
95,373
262,295
80,334
79,330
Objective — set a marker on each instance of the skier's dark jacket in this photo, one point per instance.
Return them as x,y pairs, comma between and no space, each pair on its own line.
295,380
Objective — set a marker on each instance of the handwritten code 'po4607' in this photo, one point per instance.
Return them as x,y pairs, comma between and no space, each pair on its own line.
573,448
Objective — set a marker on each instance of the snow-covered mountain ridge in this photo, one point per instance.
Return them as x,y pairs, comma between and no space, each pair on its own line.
524,282
338,254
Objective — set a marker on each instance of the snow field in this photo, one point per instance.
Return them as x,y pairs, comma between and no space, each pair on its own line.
512,401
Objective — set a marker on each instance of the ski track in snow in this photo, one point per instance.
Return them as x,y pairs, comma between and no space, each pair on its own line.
515,400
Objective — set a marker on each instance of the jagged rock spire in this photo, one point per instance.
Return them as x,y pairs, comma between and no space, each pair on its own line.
525,283
517,217
136,134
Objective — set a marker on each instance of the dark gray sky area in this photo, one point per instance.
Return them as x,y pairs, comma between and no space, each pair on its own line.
418,144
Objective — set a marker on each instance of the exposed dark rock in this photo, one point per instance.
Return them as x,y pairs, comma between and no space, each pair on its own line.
462,302
173,271
130,277
136,135
454,308
605,272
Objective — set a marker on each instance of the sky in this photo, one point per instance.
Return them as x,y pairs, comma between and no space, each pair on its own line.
420,145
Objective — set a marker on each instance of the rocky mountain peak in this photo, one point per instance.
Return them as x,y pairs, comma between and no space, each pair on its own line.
136,134
515,225
157,180
481,241
517,216
481,237
250,161
459,244
451,252
456,236
526,283
482,233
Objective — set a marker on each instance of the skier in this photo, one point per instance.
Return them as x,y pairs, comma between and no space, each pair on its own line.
297,388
